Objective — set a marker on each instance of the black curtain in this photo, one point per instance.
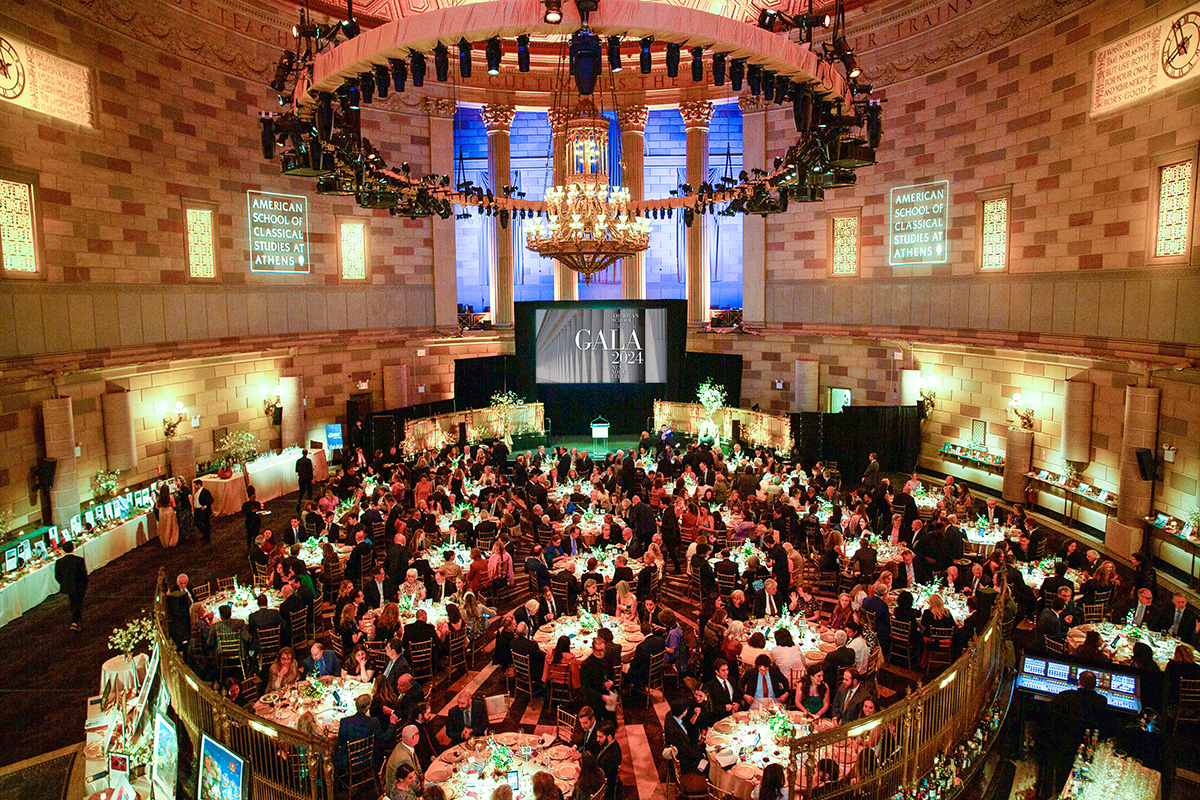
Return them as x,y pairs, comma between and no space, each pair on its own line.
477,379
849,437
723,368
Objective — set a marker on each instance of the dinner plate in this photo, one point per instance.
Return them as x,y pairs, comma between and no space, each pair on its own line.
718,740
437,773
741,716
747,772
631,627
270,698
634,638
567,771
828,647
454,755
560,752
828,636
814,655
508,739
448,791
723,726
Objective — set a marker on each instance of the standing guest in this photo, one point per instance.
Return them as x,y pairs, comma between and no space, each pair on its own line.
164,509
183,508
202,510
304,477
71,573
250,515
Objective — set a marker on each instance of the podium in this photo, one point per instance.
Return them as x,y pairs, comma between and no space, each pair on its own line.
600,433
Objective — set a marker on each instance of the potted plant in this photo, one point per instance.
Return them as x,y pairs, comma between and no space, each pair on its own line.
105,482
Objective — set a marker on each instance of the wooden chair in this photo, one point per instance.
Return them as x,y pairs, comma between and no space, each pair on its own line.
367,569
654,678
656,588
225,584
360,771
201,591
687,787
522,674
325,620
1056,646
827,583
459,651
726,584
299,629
336,643
1093,612
229,648
902,642
262,582
310,526
564,731
268,646
560,590
251,689
378,656
258,570
939,647
558,688
1102,596
335,580
1187,709
695,590
420,661
717,793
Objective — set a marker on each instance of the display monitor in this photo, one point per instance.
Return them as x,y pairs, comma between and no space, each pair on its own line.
222,773
600,345
1050,676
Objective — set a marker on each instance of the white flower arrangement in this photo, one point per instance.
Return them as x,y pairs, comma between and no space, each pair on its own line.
105,482
126,639
240,445
711,396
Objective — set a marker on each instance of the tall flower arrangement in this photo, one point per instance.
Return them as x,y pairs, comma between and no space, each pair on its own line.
105,482
505,405
712,397
241,446
126,639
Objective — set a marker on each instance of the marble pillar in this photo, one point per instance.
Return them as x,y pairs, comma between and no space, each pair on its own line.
566,280
291,428
633,148
1135,496
58,425
696,117
445,266
754,227
120,440
499,119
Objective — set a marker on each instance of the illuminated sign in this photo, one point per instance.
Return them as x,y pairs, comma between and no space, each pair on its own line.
34,79
919,217
278,232
1146,62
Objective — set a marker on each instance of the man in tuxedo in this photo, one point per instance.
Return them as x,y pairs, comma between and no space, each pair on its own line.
847,703
467,718
379,590
909,573
361,725
870,478
1178,620
652,644
608,755
867,557
71,573
688,751
321,664
396,665
721,690
1050,624
202,507
768,602
362,549
764,683
525,646
263,619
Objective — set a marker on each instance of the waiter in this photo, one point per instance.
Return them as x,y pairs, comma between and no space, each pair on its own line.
202,510
71,573
304,477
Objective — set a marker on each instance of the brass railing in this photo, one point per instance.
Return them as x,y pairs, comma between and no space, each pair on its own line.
284,764
896,748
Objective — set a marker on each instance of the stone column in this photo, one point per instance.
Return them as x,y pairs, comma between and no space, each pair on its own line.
1135,498
633,148
566,280
806,381
498,119
1018,459
58,424
754,227
1077,421
181,454
291,428
445,267
120,441
696,116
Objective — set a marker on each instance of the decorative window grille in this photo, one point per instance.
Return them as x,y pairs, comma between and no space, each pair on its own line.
354,250
202,262
17,250
1174,201
845,245
995,234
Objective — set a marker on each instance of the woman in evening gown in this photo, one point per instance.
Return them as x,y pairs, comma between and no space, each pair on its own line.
168,526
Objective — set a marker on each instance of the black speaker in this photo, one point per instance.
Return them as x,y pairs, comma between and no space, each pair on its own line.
462,434
45,473
1146,465
277,416
735,431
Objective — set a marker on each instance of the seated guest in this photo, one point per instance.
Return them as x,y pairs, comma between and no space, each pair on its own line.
562,667
361,725
1092,649
787,655
732,646
839,660
639,666
321,664
755,646
263,619
523,645
1050,624
1140,613
676,648
813,694
847,704
724,697
466,719
1178,619
689,752
764,684
737,607
767,602
284,671
379,590
419,631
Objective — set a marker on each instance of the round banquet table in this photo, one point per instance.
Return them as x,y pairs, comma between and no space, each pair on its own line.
956,604
626,634
984,539
311,555
242,603
592,524
814,641
466,771
741,556
127,674
741,745
888,556
435,614
328,704
1162,644
1037,572
605,562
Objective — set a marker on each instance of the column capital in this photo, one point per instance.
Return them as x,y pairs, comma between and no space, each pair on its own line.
696,113
498,117
750,103
632,119
558,119
439,107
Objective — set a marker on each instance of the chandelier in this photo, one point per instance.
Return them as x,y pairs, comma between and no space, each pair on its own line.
588,225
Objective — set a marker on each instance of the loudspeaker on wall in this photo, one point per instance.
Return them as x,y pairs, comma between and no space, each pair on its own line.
1145,459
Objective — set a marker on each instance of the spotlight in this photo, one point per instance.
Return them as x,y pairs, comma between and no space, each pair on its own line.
324,116
350,28
366,84
399,73
585,53
523,53
283,69
644,44
697,64
553,11
737,70
754,76
844,52
673,60
767,19
802,108
464,58
418,67
614,54
874,124
689,216
267,135
768,85
441,62
383,80
494,54
783,90
719,69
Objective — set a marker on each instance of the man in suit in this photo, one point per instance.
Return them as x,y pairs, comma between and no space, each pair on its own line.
528,615
992,513
704,571
263,619
463,529
628,471
977,580
721,690
909,573
567,575
1050,624
689,752
847,703
870,477
405,752
1141,612
179,604
523,645
467,718
867,557
202,510
652,644
251,510
608,755
371,517
840,659
419,631
1178,620
641,518
321,664
584,739
765,683
1071,713
379,590
953,539
362,549
304,477
291,603
294,533
361,725
411,697
71,573
877,607
396,665
768,603
227,624
726,566
1023,550
1144,576
908,507
622,571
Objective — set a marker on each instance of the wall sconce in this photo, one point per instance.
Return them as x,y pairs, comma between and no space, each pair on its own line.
271,402
1025,415
172,421
928,395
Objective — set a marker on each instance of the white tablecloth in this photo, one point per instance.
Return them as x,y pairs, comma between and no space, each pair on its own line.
29,590
127,674
271,477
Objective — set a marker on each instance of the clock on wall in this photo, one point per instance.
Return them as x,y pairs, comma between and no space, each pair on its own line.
1181,49
12,71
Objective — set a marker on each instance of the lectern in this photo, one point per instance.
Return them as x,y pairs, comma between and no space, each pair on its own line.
600,433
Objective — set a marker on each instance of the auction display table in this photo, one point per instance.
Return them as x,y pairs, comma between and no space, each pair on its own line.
582,629
742,745
271,476
35,582
474,769
122,672
329,701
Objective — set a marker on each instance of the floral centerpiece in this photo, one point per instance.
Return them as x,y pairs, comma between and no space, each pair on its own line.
587,622
314,692
127,638
781,725
505,405
712,396
501,759
6,521
105,483
240,446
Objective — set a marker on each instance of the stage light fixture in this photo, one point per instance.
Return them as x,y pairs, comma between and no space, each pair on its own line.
754,77
366,85
523,53
768,85
553,13
737,71
697,64
417,61
494,53
673,60
718,69
267,134
383,80
644,58
802,108
399,73
614,54
585,54
350,28
464,58
783,90
441,62
874,124
845,54
282,69
767,19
